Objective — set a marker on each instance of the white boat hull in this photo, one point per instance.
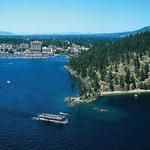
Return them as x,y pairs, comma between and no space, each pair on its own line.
52,121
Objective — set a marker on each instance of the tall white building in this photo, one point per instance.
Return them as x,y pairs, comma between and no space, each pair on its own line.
48,50
36,46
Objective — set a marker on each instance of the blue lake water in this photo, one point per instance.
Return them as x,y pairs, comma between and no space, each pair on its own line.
40,86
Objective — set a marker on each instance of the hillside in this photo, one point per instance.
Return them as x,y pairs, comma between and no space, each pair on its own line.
123,34
5,33
123,65
145,29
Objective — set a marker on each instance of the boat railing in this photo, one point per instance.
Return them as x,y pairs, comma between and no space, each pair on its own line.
51,116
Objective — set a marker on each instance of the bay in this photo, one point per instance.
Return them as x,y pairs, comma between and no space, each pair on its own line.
40,86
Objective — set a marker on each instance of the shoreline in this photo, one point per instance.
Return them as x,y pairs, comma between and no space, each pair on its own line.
23,56
78,99
27,56
133,92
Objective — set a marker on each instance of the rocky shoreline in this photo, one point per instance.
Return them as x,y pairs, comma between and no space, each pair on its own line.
80,99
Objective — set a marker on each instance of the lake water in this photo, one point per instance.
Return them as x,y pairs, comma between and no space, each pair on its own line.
116,123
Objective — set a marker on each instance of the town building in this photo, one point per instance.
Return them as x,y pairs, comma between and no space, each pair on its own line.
7,47
36,46
47,50
24,46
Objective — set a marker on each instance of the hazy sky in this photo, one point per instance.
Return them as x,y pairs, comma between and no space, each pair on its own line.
84,16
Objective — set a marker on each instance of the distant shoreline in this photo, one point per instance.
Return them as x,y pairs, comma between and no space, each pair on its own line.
27,56
23,57
4,55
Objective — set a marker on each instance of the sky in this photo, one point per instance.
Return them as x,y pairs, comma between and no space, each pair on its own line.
73,16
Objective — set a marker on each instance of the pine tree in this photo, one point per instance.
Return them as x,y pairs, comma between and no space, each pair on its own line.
83,73
96,83
127,58
81,87
122,84
145,86
103,75
136,65
110,75
128,79
111,86
133,82
116,79
142,74
146,70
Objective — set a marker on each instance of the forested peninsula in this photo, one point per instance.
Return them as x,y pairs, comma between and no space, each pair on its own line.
116,67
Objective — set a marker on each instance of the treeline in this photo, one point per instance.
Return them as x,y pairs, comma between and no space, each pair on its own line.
117,65
57,40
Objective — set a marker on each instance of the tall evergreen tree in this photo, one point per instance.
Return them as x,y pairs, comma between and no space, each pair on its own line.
146,70
128,79
136,65
122,82
142,74
133,82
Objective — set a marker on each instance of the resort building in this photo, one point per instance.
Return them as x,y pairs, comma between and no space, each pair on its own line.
24,46
36,46
48,50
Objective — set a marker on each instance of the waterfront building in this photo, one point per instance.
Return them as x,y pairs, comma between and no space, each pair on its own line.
24,46
4,47
48,50
36,46
74,46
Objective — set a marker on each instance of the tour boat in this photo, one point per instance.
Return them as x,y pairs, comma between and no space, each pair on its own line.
58,119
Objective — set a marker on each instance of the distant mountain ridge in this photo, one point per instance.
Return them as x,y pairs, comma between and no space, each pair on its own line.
123,34
145,29
99,35
6,33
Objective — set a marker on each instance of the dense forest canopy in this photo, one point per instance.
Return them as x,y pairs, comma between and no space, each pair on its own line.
117,65
103,55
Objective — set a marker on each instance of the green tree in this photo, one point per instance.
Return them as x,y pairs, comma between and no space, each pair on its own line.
128,79
142,74
116,79
127,58
83,73
110,79
133,82
146,70
81,87
110,75
122,82
103,75
136,65
111,86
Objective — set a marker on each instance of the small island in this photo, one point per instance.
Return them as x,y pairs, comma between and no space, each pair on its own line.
118,67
